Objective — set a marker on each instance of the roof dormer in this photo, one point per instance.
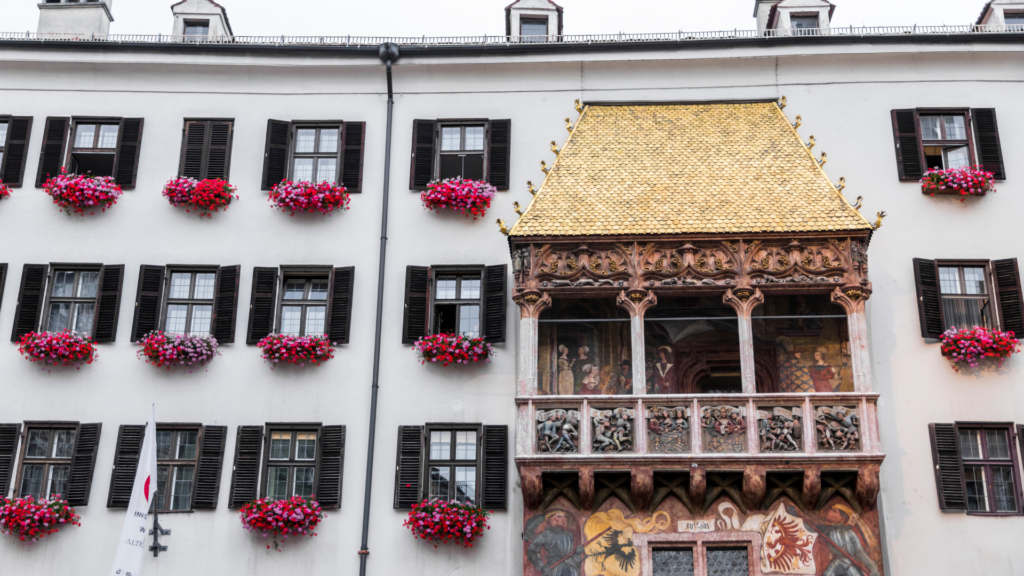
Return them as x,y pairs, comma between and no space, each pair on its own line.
200,19
999,13
85,18
534,20
793,17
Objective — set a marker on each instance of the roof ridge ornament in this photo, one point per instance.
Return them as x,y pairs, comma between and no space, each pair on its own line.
782,103
502,227
823,160
554,147
810,145
860,202
841,184
516,208
544,167
578,106
568,125
798,122
529,186
878,223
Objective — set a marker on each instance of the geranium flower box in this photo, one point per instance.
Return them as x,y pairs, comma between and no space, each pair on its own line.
164,350
969,346
442,522
30,519
470,197
296,516
5,190
962,182
306,196
204,196
287,349
77,193
57,348
452,349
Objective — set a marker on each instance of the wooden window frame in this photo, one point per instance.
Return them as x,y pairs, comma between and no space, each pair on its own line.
815,31
47,461
972,155
1013,463
318,125
535,18
990,285
166,300
306,273
485,153
451,463
207,147
291,463
48,297
98,121
193,22
172,463
436,272
699,543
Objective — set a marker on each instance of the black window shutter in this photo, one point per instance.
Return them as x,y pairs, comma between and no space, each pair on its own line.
261,304
494,302
407,470
246,471
275,155
218,161
422,169
83,463
332,463
495,467
929,302
225,304
129,146
908,145
193,148
1011,304
499,155
30,300
126,463
352,156
108,303
339,309
210,464
51,155
990,153
1020,442
417,297
3,281
9,434
12,170
147,301
949,472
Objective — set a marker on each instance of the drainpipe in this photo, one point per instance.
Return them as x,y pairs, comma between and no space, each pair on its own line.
388,53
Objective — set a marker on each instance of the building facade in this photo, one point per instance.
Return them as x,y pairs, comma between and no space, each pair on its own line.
695,369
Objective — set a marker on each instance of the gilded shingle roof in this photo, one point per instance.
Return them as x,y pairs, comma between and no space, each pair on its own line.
675,168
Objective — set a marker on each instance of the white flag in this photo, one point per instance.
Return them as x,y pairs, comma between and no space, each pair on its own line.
132,547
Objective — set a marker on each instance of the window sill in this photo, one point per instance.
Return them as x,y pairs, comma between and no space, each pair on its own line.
970,513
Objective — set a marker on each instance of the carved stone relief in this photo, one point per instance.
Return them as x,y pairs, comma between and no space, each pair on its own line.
668,429
558,431
837,428
780,429
612,429
724,428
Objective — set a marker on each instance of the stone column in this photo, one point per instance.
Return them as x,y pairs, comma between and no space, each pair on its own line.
637,302
531,305
854,300
744,300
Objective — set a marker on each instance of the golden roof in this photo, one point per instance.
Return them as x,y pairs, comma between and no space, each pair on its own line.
694,168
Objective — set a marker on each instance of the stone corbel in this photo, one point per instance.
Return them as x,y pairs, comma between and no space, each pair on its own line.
636,301
641,484
812,486
532,486
851,298
754,486
586,476
531,304
743,299
698,486
868,486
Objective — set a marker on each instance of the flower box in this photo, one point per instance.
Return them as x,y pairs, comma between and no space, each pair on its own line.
286,349
441,522
204,196
31,519
968,346
296,516
452,349
162,350
306,196
471,197
76,193
57,348
5,190
962,182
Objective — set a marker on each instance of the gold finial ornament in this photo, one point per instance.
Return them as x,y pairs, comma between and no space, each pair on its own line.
841,184
502,227
824,159
878,223
578,106
515,207
782,103
568,125
554,147
529,186
799,121
810,145
860,202
544,167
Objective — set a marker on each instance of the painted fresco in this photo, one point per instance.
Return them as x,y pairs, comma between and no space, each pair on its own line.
668,429
584,348
724,428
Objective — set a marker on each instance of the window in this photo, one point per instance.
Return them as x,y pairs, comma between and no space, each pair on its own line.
928,138
457,304
461,153
196,29
206,149
314,150
316,155
176,452
468,300
189,308
72,301
304,306
3,140
1014,20
703,558
966,301
452,464
474,149
533,29
82,298
291,464
93,147
584,347
968,293
989,469
804,25
46,461
463,462
945,140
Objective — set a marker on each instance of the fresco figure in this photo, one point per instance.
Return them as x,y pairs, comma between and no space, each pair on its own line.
625,377
566,382
664,372
609,380
822,374
591,382
553,547
582,360
846,541
793,375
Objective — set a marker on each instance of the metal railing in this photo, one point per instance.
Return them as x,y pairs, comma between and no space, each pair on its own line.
485,40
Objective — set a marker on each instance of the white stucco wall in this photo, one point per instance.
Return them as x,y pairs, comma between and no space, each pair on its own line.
85,19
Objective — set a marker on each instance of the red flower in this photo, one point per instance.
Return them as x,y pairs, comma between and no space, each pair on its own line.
77,193
442,522
306,196
31,519
205,196
963,181
296,516
284,348
969,346
57,348
471,197
453,348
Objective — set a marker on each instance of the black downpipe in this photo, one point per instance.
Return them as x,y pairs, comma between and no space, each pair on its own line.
388,53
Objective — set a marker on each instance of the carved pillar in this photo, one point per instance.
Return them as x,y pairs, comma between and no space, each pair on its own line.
637,302
743,300
641,484
854,300
754,486
698,486
868,486
531,304
586,479
812,486
532,485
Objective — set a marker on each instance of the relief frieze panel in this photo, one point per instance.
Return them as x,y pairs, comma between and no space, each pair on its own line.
558,431
837,428
612,429
780,429
668,429
724,428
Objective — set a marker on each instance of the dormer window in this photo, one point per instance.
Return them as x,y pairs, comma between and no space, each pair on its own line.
1014,21
804,25
195,29
533,29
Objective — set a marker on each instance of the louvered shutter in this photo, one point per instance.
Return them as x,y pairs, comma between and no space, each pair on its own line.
3,282
261,304
218,160
1020,442
339,309
949,472
51,155
83,463
30,300
986,131
1011,305
409,466
9,434
417,300
129,146
499,154
332,463
275,155
494,302
208,470
225,304
422,169
108,303
126,463
495,468
193,149
147,301
245,473
12,170
909,158
929,301
352,156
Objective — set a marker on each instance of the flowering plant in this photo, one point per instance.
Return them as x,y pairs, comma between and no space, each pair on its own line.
160,350
968,346
296,516
205,196
452,348
5,190
78,193
31,519
471,197
442,522
306,196
289,349
962,181
57,348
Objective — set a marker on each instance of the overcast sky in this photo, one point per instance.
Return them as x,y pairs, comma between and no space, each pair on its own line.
477,17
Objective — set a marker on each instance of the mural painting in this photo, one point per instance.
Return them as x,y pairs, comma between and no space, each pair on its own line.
780,429
724,428
838,428
584,348
668,429
612,429
558,431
